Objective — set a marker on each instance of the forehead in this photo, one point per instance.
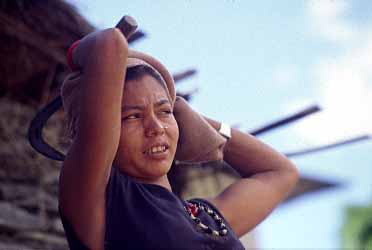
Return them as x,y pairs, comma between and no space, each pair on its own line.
143,90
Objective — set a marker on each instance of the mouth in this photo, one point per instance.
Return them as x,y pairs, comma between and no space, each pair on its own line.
158,149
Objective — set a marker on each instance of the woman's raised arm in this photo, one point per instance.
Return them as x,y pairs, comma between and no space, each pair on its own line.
267,179
101,57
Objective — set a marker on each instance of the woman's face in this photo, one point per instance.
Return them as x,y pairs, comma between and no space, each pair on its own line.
149,131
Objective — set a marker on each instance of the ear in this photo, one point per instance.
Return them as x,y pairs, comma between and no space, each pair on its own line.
198,140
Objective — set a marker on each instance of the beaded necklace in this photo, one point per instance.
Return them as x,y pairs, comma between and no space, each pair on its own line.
192,208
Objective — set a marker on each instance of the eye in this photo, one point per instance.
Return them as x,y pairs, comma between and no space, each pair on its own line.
166,112
132,116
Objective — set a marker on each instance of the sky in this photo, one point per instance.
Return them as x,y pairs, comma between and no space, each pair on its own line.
259,61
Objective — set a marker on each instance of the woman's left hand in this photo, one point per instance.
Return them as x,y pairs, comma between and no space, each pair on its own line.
198,140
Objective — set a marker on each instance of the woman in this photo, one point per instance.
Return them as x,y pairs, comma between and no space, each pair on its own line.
114,190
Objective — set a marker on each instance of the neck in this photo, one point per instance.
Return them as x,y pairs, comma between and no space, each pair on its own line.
162,181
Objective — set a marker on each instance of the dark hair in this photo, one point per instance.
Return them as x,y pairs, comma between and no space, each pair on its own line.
139,71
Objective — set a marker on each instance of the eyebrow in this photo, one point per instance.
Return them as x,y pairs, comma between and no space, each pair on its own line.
142,107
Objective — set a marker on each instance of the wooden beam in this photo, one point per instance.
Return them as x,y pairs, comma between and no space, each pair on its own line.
136,36
284,121
329,146
183,75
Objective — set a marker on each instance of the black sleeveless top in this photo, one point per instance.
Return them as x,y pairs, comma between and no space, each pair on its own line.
149,216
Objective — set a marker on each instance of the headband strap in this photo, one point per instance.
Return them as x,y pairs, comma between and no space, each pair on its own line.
158,66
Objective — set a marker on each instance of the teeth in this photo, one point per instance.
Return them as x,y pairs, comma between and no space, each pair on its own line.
156,149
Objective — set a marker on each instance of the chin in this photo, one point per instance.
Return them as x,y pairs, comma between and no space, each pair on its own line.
147,168
159,170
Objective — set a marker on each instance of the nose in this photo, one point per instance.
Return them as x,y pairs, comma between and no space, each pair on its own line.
154,127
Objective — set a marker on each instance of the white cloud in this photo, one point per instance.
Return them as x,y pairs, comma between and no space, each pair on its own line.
345,88
327,19
344,83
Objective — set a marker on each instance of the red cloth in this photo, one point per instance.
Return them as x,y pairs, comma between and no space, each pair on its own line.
70,51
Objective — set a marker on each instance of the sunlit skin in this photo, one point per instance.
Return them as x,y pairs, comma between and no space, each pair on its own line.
147,121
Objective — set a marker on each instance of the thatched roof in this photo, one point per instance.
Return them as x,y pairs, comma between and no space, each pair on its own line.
34,38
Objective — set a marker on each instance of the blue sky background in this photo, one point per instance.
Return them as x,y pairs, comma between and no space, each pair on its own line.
258,61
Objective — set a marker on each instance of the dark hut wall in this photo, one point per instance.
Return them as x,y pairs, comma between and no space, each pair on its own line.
34,36
28,183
